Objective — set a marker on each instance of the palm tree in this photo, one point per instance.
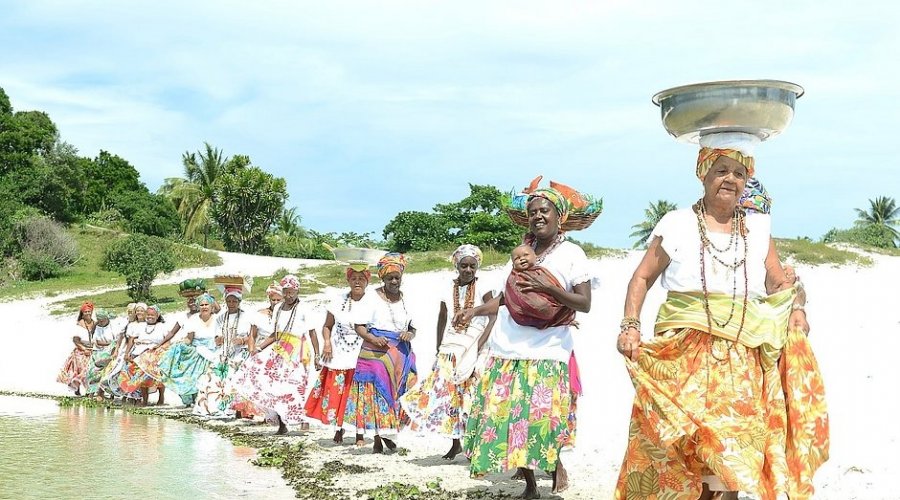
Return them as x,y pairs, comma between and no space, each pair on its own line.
883,211
194,194
653,215
288,223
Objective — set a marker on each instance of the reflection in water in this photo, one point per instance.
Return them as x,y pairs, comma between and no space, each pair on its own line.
52,452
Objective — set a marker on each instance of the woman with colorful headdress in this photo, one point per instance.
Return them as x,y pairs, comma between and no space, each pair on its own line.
728,394
523,409
437,403
235,339
138,375
340,350
386,367
182,365
74,370
275,379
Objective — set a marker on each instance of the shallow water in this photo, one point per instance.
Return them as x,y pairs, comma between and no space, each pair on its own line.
52,452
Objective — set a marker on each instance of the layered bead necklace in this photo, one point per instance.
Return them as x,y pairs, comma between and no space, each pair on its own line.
398,328
557,241
738,233
229,332
289,327
468,303
343,340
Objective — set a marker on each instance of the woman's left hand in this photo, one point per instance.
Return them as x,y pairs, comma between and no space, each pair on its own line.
406,336
528,283
798,321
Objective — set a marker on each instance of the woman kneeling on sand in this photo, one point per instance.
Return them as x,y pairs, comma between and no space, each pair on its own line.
437,404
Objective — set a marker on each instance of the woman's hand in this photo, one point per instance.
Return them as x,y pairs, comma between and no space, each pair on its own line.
797,321
463,317
406,336
528,283
326,354
628,343
219,341
379,341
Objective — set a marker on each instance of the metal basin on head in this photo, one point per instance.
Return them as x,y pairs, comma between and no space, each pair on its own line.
763,108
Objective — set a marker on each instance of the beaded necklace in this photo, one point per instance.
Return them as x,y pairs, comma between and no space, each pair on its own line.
531,240
737,230
343,340
467,304
229,332
398,328
289,327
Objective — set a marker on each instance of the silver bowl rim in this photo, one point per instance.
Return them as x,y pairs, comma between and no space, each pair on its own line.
779,84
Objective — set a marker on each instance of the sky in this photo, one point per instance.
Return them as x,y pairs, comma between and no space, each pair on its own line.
373,108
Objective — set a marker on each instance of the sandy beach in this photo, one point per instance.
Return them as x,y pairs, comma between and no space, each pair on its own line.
855,326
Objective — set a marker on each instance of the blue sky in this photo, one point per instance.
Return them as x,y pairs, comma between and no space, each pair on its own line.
372,108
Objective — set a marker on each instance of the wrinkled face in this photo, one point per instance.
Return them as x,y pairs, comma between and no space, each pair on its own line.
392,282
275,298
103,322
192,304
543,220
152,316
140,314
205,307
466,268
232,303
290,295
523,257
357,281
725,181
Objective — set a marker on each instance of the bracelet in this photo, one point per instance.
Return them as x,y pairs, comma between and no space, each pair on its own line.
630,322
798,307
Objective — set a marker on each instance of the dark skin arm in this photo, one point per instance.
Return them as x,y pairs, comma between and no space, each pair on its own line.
485,335
169,336
251,341
489,308
441,324
314,339
579,299
375,340
326,337
652,265
777,280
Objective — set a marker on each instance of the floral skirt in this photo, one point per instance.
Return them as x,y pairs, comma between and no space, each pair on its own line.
519,416
705,407
74,370
368,412
327,401
437,404
215,391
275,378
181,367
149,361
98,362
132,378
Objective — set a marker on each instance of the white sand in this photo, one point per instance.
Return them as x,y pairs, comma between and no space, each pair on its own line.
855,322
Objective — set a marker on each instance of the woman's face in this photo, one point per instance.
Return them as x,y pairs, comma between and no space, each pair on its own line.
274,298
232,303
357,281
205,307
467,268
290,295
103,322
86,315
725,181
152,316
543,220
192,304
140,314
392,282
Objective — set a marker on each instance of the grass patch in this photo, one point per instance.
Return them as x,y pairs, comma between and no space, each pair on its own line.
803,251
86,273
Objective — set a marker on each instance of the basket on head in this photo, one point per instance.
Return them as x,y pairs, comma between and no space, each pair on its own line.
192,288
585,208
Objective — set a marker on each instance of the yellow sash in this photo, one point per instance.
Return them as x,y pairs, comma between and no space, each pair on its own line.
765,325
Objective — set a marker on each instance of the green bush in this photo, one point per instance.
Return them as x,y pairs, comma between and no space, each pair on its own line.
46,250
299,247
140,258
194,256
109,218
875,235
417,232
149,214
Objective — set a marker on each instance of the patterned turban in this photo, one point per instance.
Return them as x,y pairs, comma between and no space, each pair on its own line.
464,251
87,306
355,268
206,299
391,262
274,289
155,308
290,281
708,156
559,200
103,314
755,197
233,291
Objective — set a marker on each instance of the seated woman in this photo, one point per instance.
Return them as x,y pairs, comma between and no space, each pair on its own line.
141,339
109,376
386,367
103,344
275,379
235,338
328,399
182,365
438,403
74,370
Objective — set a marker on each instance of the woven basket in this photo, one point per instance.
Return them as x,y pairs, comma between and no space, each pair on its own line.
193,292
575,222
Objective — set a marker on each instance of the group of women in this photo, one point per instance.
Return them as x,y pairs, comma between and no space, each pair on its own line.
728,396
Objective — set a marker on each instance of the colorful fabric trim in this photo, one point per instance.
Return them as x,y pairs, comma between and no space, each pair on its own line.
755,197
536,309
391,262
708,156
388,368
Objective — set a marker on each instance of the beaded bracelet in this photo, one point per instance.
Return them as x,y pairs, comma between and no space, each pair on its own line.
630,322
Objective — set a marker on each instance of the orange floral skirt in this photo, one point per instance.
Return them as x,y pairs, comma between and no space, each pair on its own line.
705,406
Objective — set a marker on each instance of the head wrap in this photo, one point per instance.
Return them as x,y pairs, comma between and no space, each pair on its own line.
708,156
155,308
290,281
354,269
234,291
755,197
103,314
274,288
87,306
464,251
207,298
140,305
562,204
391,262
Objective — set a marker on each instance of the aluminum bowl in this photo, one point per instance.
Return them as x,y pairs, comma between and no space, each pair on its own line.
354,255
763,108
